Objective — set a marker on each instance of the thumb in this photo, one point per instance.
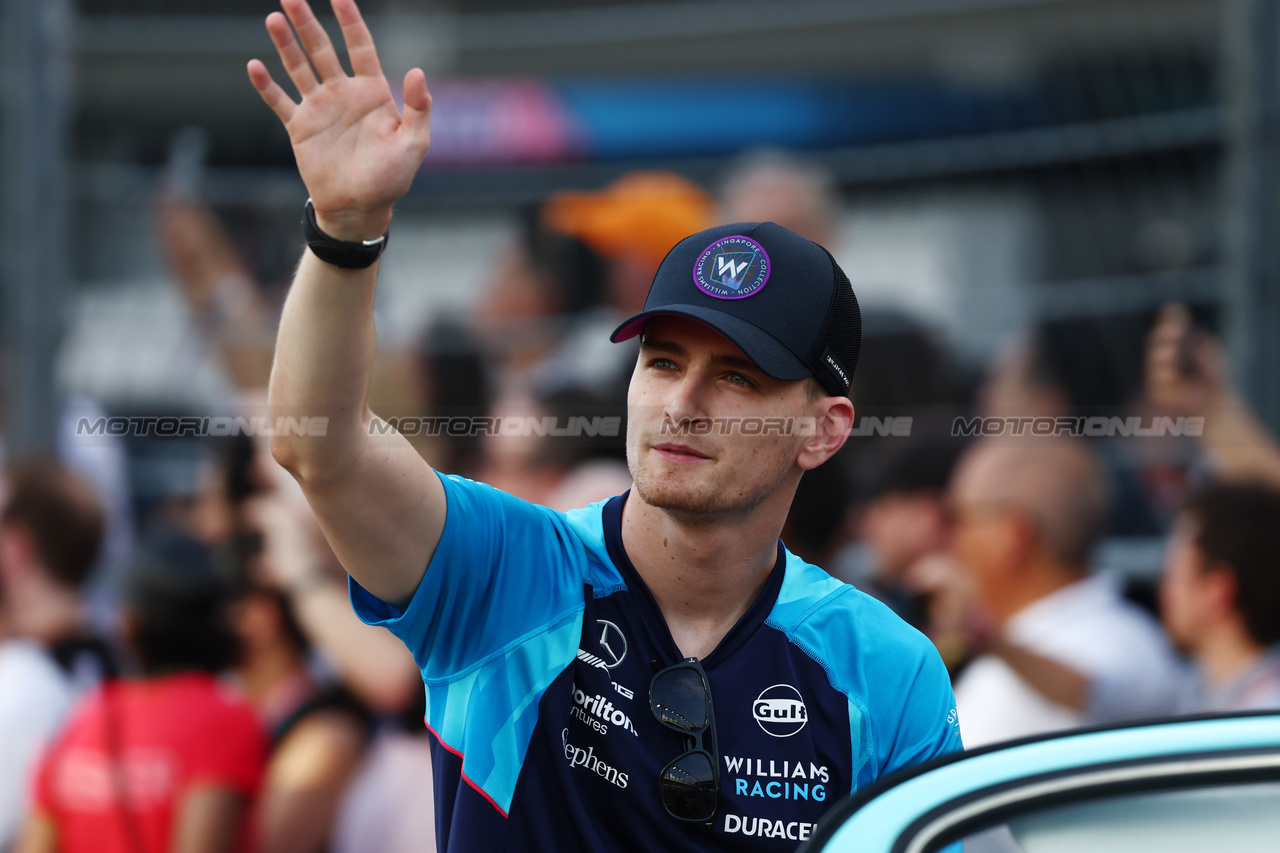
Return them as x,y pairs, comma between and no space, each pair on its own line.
416,120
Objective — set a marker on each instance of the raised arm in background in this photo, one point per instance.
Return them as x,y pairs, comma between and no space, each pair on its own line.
218,288
1186,372
372,662
381,506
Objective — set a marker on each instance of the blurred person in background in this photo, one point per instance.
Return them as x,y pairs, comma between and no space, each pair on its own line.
1220,602
379,804
905,533
1220,598
296,560
911,372
905,523
1027,515
225,300
1086,367
318,729
559,471
631,224
772,186
170,761
896,521
543,283
582,261
50,532
1186,373
453,376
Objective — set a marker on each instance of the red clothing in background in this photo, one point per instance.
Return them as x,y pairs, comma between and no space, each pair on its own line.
168,735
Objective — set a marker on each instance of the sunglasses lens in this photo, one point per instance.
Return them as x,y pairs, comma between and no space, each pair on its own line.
680,700
688,787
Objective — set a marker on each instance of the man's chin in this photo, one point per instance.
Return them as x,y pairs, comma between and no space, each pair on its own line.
677,498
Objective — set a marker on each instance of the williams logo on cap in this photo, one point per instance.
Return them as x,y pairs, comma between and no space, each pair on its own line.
732,268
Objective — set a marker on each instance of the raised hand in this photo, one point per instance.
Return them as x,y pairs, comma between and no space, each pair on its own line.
1184,366
357,153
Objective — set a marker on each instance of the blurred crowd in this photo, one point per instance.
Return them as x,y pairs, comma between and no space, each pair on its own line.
188,675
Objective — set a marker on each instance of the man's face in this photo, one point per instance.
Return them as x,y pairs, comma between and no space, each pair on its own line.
904,527
706,432
985,536
1184,592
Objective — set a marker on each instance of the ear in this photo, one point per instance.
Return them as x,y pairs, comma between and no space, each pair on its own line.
17,549
833,423
1023,538
1221,589
1011,543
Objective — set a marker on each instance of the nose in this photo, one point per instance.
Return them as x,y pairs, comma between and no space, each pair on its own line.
687,405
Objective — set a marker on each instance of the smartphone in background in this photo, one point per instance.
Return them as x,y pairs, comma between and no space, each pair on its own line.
184,171
1201,320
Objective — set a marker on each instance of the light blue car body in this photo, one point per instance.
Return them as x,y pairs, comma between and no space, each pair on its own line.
880,821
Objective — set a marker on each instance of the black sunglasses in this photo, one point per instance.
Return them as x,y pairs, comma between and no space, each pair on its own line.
680,699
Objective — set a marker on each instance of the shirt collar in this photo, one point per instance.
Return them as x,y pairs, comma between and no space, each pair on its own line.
737,635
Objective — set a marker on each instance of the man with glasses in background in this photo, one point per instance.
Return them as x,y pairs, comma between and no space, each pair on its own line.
655,672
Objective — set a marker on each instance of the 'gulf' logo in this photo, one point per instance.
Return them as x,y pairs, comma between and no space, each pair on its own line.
780,710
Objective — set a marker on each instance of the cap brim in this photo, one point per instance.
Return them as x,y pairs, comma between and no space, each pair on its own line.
762,348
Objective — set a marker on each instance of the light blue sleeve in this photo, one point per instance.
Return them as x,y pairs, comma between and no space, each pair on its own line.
503,572
926,725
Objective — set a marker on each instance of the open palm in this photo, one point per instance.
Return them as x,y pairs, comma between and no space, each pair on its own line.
357,153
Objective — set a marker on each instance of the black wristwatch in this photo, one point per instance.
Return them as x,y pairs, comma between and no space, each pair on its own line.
340,253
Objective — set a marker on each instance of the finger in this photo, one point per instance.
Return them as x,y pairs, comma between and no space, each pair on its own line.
314,38
1175,316
281,104
416,120
291,54
1169,326
360,47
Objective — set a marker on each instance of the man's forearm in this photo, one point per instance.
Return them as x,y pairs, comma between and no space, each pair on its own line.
1056,681
1239,444
323,365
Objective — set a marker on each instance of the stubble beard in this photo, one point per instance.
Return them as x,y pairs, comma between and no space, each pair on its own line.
698,503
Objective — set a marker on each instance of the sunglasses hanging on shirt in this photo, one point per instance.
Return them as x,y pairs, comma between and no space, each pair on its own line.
680,699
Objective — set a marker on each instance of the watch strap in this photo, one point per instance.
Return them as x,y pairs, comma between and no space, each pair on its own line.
340,253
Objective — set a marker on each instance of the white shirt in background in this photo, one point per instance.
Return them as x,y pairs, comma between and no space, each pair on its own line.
35,696
389,807
1088,626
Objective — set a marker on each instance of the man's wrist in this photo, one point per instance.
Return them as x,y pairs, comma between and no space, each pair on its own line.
353,226
346,254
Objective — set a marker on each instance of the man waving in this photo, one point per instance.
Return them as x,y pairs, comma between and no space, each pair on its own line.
654,672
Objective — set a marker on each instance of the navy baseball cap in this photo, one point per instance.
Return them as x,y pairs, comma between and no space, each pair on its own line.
781,299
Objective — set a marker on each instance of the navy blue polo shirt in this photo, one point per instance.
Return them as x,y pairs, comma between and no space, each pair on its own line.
537,640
